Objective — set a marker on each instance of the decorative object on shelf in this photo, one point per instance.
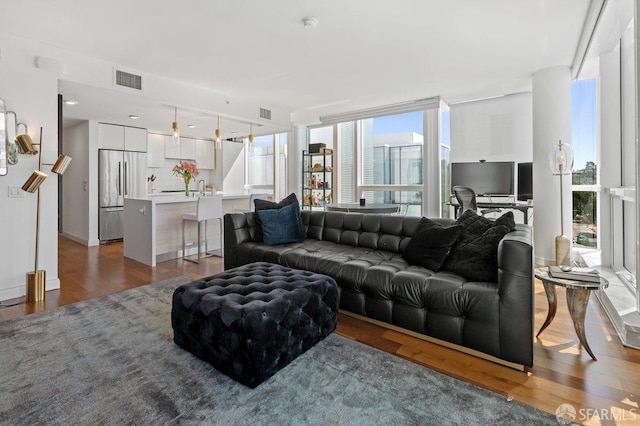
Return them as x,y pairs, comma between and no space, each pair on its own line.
561,163
218,139
36,280
150,181
188,170
176,128
316,178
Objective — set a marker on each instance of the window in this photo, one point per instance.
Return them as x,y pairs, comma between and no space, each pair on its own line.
263,174
585,170
392,156
445,160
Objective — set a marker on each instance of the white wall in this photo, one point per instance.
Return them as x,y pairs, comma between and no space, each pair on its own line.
32,94
233,167
498,129
76,184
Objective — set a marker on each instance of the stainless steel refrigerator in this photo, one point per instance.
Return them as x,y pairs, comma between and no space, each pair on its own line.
121,174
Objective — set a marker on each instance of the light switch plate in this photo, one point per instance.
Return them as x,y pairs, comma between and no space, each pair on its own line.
16,192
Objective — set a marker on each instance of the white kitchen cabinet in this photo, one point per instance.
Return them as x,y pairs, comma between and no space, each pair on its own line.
185,150
155,150
171,150
135,139
110,136
205,154
113,136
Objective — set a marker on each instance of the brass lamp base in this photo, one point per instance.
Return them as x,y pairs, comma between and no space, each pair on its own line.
36,285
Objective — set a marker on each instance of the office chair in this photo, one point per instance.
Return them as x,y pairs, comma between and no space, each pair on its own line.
467,201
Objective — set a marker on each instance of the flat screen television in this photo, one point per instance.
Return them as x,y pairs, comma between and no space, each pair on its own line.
487,178
525,181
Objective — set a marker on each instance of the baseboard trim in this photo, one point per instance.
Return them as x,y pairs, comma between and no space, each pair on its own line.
80,240
21,289
468,351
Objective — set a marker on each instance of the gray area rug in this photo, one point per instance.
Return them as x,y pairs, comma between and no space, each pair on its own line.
112,360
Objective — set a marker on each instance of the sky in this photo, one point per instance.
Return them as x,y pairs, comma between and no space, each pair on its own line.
583,122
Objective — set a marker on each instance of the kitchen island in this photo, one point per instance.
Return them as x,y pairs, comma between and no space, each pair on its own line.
153,226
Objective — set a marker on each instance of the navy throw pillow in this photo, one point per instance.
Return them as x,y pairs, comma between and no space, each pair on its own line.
431,244
266,204
270,205
475,255
280,226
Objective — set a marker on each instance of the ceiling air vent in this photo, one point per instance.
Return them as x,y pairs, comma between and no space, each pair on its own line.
126,79
265,113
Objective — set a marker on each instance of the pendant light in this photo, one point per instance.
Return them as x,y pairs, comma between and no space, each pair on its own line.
176,133
218,140
250,137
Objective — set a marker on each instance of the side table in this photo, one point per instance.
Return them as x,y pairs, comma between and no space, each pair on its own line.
578,293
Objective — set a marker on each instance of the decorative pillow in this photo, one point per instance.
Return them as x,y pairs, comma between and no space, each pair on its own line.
475,256
266,204
431,244
281,226
270,205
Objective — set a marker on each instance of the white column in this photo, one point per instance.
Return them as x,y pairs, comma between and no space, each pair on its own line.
431,160
551,123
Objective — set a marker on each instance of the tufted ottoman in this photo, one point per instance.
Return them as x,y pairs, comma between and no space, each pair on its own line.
251,321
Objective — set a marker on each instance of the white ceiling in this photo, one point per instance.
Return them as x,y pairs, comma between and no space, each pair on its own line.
363,53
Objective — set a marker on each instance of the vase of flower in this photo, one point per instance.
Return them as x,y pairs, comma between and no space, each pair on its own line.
188,170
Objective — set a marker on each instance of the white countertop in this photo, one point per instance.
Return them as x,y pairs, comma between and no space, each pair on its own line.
172,197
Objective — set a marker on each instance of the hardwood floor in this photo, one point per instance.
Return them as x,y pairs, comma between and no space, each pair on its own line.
563,372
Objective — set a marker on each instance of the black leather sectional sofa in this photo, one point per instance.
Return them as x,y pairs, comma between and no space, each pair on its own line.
363,253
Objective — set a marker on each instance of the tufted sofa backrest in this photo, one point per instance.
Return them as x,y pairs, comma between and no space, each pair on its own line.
378,232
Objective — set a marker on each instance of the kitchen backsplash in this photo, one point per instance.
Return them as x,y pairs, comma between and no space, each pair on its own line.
167,181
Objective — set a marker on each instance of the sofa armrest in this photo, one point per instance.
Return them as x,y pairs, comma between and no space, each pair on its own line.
238,228
516,291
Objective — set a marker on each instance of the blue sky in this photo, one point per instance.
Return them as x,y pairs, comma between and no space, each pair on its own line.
583,122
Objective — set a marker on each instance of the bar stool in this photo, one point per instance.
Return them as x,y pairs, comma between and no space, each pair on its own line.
209,208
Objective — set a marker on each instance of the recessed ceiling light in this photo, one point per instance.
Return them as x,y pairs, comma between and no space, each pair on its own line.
191,126
69,102
134,117
234,133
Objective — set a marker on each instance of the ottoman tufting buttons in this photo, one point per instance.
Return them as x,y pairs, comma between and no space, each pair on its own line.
251,321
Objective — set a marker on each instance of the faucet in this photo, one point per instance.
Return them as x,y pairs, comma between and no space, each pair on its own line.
204,187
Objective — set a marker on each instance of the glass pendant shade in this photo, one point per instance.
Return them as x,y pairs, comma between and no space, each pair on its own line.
561,159
218,138
176,128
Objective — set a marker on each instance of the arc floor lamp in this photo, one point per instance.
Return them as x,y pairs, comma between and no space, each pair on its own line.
36,280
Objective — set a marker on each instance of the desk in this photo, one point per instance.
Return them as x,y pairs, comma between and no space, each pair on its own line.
578,293
524,208
368,208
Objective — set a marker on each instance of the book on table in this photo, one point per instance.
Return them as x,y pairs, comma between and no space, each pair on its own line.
578,274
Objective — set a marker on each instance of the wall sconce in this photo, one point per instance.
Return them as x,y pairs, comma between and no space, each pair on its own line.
36,280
